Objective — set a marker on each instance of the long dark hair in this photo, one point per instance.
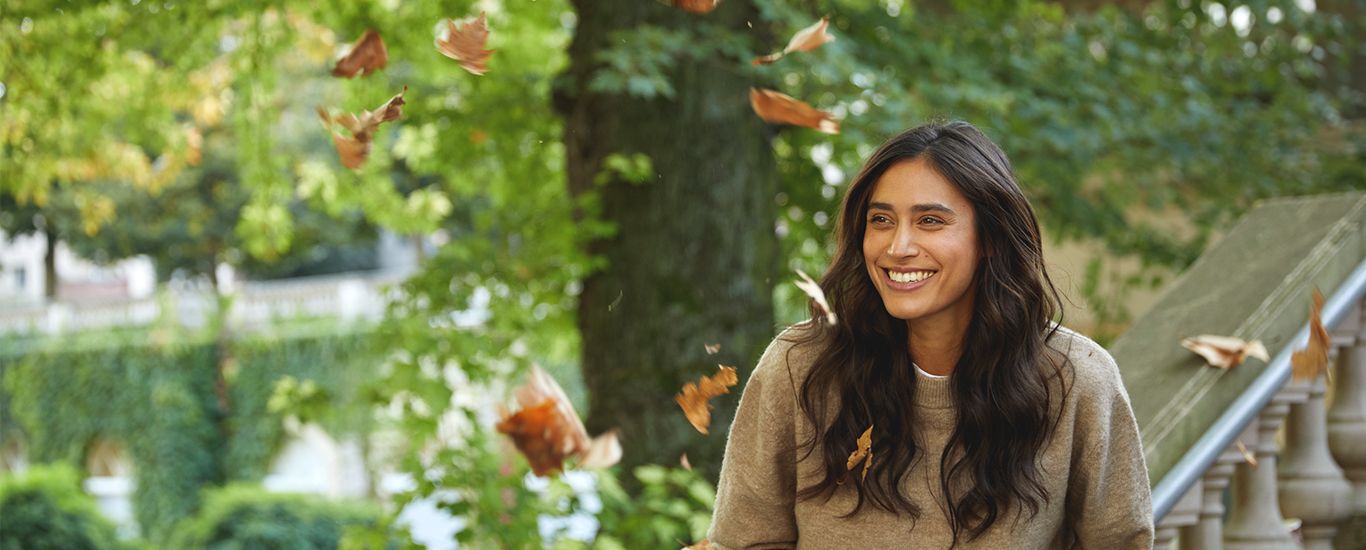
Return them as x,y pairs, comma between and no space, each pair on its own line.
1001,384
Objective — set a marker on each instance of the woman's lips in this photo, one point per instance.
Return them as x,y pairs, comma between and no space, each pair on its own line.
924,276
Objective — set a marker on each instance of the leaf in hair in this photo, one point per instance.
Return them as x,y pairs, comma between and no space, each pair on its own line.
805,40
778,108
547,430
1225,352
695,399
465,44
366,56
1310,362
863,453
814,291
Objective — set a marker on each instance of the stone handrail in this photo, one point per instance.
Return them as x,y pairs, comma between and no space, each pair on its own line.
1205,429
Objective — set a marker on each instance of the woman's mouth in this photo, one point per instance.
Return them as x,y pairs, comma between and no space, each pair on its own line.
907,280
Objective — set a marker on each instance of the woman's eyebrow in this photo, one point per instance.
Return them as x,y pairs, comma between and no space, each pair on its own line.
919,208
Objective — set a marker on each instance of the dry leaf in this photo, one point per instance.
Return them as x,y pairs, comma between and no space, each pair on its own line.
367,55
712,349
864,453
354,149
805,40
814,291
696,6
777,108
1310,362
701,545
683,461
547,430
465,44
1247,455
695,398
1225,352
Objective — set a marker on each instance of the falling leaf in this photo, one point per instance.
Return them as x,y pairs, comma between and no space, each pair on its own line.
701,545
777,108
367,55
354,149
863,453
465,44
695,398
696,6
1247,455
1310,362
712,349
805,40
683,461
547,430
1225,352
814,291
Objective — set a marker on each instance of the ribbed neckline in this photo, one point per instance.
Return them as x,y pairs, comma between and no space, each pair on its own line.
933,393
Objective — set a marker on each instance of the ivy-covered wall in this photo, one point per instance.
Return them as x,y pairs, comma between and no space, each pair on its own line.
159,400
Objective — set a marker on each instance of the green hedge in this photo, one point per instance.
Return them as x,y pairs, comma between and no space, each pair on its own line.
158,399
45,508
246,516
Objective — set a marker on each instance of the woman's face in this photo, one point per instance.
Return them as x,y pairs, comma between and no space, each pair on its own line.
920,245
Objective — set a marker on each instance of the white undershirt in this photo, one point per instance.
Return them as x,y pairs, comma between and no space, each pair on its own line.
928,375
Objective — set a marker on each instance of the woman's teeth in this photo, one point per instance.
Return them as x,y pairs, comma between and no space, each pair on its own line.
909,276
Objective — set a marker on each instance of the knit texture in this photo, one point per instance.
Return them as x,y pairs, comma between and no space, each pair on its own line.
1092,467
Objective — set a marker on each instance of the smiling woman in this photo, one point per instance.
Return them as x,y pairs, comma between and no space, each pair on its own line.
947,406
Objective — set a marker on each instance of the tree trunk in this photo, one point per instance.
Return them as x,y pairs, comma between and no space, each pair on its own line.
694,255
1346,64
50,265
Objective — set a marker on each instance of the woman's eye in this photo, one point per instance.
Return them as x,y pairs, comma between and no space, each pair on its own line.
931,220
879,219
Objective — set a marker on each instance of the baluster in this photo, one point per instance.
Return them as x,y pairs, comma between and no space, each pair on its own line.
1208,533
1185,513
1312,488
1255,521
1347,414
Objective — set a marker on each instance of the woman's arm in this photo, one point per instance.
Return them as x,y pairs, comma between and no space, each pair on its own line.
1109,497
756,495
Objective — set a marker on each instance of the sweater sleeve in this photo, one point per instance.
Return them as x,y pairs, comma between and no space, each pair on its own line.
756,494
1109,499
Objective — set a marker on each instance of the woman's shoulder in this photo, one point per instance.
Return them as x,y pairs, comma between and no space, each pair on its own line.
1092,368
792,352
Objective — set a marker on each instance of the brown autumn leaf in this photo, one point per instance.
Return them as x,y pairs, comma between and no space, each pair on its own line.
695,399
1310,362
465,44
814,291
703,544
777,108
355,149
1225,352
864,453
805,40
547,430
696,6
1250,458
712,349
683,461
367,55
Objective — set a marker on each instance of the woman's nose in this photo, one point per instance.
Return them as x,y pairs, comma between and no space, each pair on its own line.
903,245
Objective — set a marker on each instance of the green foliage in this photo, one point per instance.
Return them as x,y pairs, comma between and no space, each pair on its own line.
246,516
673,507
45,508
158,399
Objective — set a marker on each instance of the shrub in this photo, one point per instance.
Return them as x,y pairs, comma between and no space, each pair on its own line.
45,508
247,516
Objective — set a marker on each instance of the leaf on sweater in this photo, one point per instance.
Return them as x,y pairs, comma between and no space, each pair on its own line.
701,545
696,6
712,349
805,40
465,44
1247,455
1225,352
695,400
356,148
367,55
814,291
778,108
1310,362
547,430
863,453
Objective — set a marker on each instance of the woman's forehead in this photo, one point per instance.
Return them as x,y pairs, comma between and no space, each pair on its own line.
915,182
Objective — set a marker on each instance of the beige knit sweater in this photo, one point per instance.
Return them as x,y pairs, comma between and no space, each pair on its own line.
1093,467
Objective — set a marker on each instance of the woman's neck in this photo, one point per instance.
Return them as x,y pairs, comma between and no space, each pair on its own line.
935,347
